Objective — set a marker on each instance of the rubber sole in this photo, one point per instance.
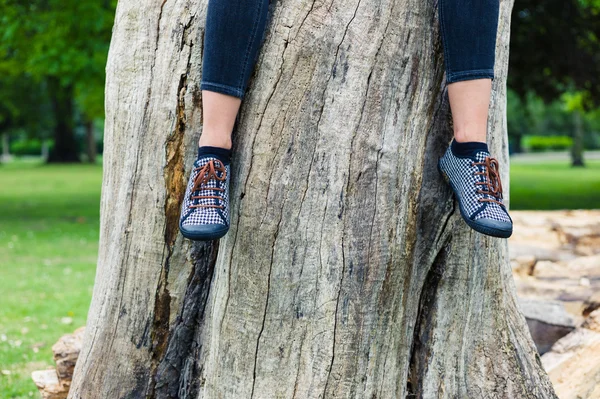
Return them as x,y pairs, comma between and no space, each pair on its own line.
478,227
215,235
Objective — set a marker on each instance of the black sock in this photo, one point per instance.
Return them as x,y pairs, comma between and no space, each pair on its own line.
222,154
467,149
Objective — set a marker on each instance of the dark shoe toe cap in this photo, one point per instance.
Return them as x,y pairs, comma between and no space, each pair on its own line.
496,228
204,232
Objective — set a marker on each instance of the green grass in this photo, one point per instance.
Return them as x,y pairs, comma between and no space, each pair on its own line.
48,248
554,185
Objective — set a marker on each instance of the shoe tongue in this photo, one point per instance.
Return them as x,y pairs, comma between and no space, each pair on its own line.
200,162
480,156
206,159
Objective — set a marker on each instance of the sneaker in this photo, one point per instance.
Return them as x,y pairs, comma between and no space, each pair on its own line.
205,208
475,181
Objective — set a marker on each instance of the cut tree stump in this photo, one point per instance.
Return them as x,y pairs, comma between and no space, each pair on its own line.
348,271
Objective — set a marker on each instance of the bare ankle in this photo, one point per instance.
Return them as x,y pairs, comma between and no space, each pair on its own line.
215,141
465,136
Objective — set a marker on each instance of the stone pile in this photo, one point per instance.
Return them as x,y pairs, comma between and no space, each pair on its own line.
556,267
55,383
573,363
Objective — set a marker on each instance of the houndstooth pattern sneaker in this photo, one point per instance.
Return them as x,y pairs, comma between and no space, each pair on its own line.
205,208
476,183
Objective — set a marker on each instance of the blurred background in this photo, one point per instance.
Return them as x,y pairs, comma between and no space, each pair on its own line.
52,60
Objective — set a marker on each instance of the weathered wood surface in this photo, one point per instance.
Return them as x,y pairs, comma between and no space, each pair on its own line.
347,271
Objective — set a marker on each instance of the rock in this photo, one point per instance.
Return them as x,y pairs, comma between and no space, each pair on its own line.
66,351
568,291
548,321
558,291
548,269
573,363
47,383
592,323
591,304
524,264
555,235
588,266
540,253
55,383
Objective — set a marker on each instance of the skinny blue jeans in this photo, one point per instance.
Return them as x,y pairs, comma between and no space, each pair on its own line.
235,31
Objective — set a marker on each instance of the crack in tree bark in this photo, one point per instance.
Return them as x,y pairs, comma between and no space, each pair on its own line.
267,300
418,353
173,378
243,190
175,187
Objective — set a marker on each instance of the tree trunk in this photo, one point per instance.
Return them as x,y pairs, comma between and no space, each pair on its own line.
90,141
65,145
5,148
577,148
347,271
517,146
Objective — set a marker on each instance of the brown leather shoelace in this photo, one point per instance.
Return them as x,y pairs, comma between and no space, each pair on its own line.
492,181
208,172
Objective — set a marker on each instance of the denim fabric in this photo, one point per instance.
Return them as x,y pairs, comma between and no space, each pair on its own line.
468,29
235,31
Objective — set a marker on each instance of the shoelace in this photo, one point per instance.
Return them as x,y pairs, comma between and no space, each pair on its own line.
491,173
205,174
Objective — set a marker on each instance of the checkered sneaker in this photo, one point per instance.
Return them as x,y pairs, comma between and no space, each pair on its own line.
476,183
205,208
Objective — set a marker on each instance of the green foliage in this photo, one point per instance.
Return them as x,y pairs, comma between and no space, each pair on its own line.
555,48
67,40
531,116
547,143
28,146
24,107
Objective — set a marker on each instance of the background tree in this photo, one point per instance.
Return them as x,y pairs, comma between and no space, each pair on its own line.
348,271
555,49
62,44
20,99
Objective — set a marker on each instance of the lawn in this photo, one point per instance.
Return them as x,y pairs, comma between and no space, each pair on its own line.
48,247
554,184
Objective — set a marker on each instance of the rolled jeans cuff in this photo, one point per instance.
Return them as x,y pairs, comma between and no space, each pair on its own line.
223,89
452,77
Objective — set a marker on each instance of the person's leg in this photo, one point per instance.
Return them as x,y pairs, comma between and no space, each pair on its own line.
469,102
233,37
469,29
219,111
232,40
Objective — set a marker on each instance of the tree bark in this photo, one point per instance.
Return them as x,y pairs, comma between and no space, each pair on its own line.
65,146
347,271
577,148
